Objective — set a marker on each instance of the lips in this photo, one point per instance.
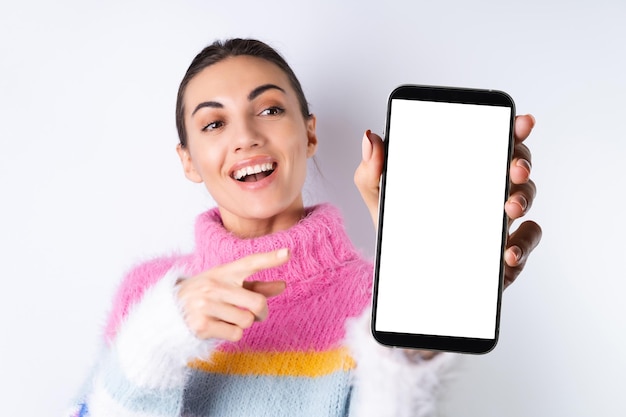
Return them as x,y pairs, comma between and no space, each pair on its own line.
253,169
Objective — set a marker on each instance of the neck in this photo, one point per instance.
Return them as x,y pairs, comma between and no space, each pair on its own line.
249,227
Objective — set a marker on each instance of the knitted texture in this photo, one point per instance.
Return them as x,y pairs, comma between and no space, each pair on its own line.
292,363
296,362
325,271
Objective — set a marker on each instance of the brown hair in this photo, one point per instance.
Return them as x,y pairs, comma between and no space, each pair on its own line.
220,50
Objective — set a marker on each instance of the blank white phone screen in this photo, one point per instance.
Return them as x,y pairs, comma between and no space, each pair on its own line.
441,242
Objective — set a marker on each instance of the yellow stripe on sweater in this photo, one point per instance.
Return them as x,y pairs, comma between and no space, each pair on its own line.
306,364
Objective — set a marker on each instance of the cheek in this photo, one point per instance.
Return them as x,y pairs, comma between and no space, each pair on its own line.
300,162
299,141
206,161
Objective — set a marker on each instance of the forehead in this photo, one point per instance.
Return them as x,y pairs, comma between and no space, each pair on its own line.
234,77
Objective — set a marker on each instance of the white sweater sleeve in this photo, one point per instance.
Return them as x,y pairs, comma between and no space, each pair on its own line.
144,371
387,383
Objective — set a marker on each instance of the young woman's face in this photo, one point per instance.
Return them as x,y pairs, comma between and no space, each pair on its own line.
248,142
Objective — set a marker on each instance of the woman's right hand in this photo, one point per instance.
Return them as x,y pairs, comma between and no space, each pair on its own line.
219,303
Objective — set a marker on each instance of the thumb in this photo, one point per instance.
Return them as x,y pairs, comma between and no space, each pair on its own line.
367,174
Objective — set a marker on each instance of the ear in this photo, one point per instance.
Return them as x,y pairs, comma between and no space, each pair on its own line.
185,159
311,134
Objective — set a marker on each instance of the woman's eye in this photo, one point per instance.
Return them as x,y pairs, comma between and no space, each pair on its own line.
213,126
272,111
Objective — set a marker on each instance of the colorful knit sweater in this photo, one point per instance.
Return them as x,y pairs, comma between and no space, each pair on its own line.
313,356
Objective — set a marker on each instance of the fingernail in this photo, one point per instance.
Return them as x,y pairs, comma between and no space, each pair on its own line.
282,253
532,117
521,201
366,146
517,253
522,163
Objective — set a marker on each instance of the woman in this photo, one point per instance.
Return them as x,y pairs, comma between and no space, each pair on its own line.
268,315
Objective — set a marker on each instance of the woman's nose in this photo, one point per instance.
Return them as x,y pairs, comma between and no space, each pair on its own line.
247,136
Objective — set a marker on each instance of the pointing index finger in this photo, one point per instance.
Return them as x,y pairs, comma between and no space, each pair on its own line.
239,270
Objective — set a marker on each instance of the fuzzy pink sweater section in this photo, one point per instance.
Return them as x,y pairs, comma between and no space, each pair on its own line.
325,272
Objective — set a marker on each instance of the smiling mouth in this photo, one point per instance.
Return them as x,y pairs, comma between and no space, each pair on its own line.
255,172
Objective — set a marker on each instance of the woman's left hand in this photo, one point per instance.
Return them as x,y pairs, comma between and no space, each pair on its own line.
520,243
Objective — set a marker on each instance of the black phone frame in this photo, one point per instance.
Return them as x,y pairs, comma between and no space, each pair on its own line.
428,341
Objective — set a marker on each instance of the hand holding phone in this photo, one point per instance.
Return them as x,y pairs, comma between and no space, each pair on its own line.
438,275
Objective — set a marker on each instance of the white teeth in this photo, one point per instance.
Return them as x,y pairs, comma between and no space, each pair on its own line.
256,169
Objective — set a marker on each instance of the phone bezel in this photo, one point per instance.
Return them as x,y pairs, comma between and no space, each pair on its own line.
427,341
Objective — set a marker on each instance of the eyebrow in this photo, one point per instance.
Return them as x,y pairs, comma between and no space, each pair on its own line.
213,104
253,94
263,88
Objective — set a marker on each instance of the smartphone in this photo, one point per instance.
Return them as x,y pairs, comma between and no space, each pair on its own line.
442,229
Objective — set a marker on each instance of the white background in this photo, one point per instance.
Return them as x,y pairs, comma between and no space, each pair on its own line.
439,272
90,182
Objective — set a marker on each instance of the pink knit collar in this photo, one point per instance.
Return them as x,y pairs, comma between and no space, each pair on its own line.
317,243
